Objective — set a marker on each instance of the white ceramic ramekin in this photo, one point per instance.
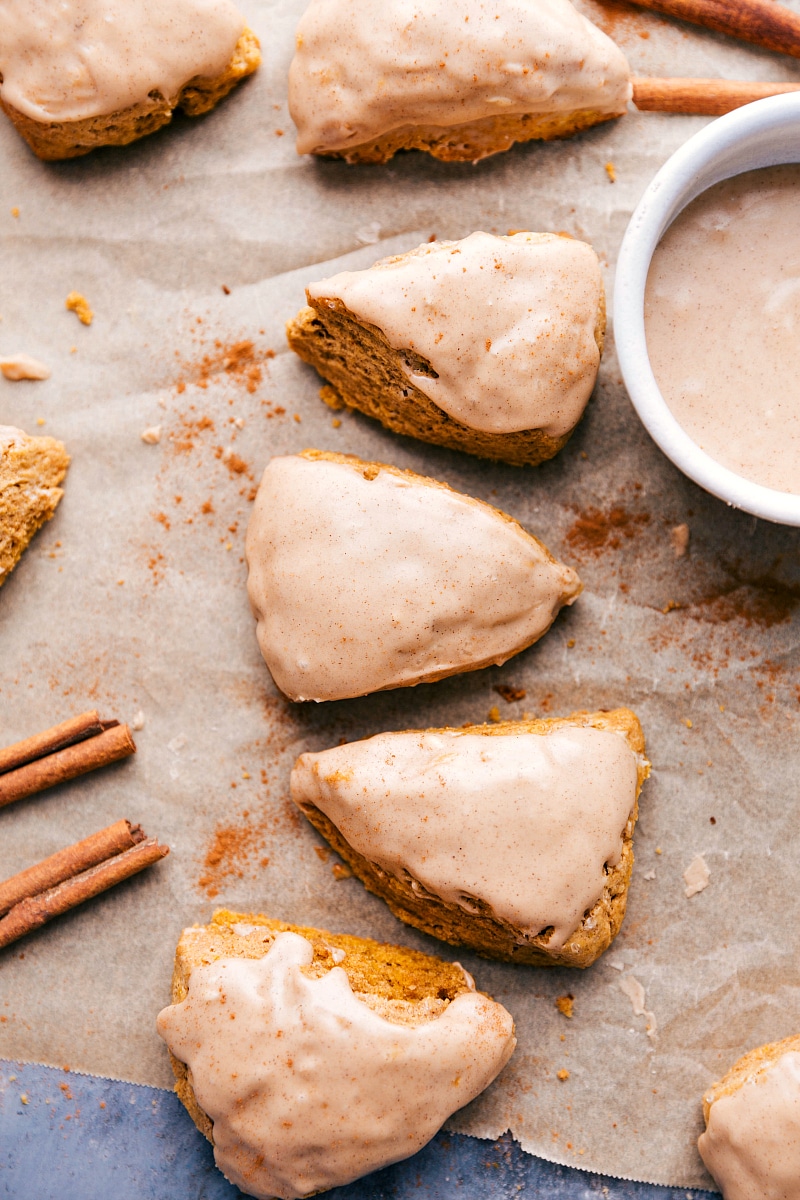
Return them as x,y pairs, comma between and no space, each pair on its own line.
762,134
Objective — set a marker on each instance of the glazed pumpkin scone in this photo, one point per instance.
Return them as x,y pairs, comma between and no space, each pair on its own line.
363,577
460,80
751,1144
489,345
310,1059
513,839
31,469
88,73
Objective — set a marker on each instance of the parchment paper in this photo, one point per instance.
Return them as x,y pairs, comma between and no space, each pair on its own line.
133,598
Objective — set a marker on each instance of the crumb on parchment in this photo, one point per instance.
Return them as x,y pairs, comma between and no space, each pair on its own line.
22,366
78,304
611,172
152,435
566,1004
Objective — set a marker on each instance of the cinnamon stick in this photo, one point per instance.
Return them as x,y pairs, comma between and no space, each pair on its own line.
68,862
703,97
36,911
86,725
112,744
762,22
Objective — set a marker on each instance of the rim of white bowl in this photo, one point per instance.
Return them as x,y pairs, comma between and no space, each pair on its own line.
765,133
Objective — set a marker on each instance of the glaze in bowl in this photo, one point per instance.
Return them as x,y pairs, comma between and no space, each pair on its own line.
763,134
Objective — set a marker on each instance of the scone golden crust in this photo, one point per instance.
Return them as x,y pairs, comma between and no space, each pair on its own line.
31,469
55,140
489,344
481,929
747,1068
474,140
386,974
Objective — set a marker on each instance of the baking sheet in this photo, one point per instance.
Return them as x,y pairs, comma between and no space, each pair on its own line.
133,600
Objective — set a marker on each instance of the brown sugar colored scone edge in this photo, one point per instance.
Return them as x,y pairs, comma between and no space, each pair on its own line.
55,140
748,1067
482,931
473,140
393,978
366,373
30,473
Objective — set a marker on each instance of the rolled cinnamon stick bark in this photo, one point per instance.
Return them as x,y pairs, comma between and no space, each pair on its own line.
76,729
36,911
69,862
702,97
762,22
107,747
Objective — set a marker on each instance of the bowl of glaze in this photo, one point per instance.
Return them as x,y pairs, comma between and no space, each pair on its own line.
763,134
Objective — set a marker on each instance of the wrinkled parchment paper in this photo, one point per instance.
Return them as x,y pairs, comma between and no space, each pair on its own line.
133,600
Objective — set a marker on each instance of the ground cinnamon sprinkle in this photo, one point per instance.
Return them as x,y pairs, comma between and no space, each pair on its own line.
763,600
233,850
593,530
237,361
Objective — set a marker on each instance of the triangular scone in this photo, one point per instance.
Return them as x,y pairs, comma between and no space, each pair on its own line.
106,72
489,345
461,80
514,839
751,1144
310,1059
363,577
31,468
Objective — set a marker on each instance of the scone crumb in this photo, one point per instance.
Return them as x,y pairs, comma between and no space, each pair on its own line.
679,537
15,211
336,423
563,1075
138,721
687,721
78,304
152,435
509,693
494,714
341,871
22,366
331,397
611,172
40,421
571,643
566,1004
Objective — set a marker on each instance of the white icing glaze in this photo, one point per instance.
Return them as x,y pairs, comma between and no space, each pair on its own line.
88,58
366,67
522,821
360,585
22,366
307,1087
507,323
752,1143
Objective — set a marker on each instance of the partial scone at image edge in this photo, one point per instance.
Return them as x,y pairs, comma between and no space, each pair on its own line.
311,1059
31,471
54,140
480,929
